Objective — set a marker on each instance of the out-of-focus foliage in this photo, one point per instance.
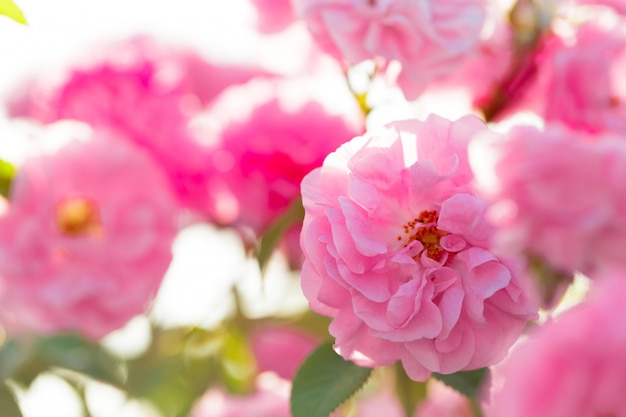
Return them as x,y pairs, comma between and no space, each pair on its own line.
10,9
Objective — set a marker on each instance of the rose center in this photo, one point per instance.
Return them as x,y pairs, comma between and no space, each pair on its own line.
78,217
424,229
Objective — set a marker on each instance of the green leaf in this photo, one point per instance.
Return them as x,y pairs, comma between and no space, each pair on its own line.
10,9
72,352
12,356
237,362
324,381
7,172
467,383
271,238
551,284
176,370
8,404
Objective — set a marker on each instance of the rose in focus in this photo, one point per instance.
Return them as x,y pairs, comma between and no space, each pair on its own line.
397,252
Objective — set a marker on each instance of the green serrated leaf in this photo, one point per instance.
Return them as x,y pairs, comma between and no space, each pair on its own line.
10,9
325,381
467,383
271,238
8,404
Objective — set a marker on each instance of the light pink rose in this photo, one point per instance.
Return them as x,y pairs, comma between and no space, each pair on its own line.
574,366
556,194
443,401
281,349
396,248
86,240
485,67
145,90
267,135
273,15
579,79
428,38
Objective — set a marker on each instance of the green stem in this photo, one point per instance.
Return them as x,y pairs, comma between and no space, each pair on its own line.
475,407
410,393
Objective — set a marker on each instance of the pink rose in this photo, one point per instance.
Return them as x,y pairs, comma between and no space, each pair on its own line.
486,66
579,78
281,349
86,240
574,366
396,248
556,194
268,134
146,91
428,38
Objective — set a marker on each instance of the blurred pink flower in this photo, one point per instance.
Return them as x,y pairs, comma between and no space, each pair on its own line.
396,248
486,65
579,79
556,194
273,15
443,401
145,90
429,38
267,135
281,349
574,366
86,240
380,403
270,399
617,5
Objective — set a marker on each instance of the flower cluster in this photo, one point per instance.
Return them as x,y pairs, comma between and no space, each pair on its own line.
438,181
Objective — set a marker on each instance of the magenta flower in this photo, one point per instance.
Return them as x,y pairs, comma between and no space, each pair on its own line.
556,194
146,91
396,249
574,366
268,135
429,38
86,240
